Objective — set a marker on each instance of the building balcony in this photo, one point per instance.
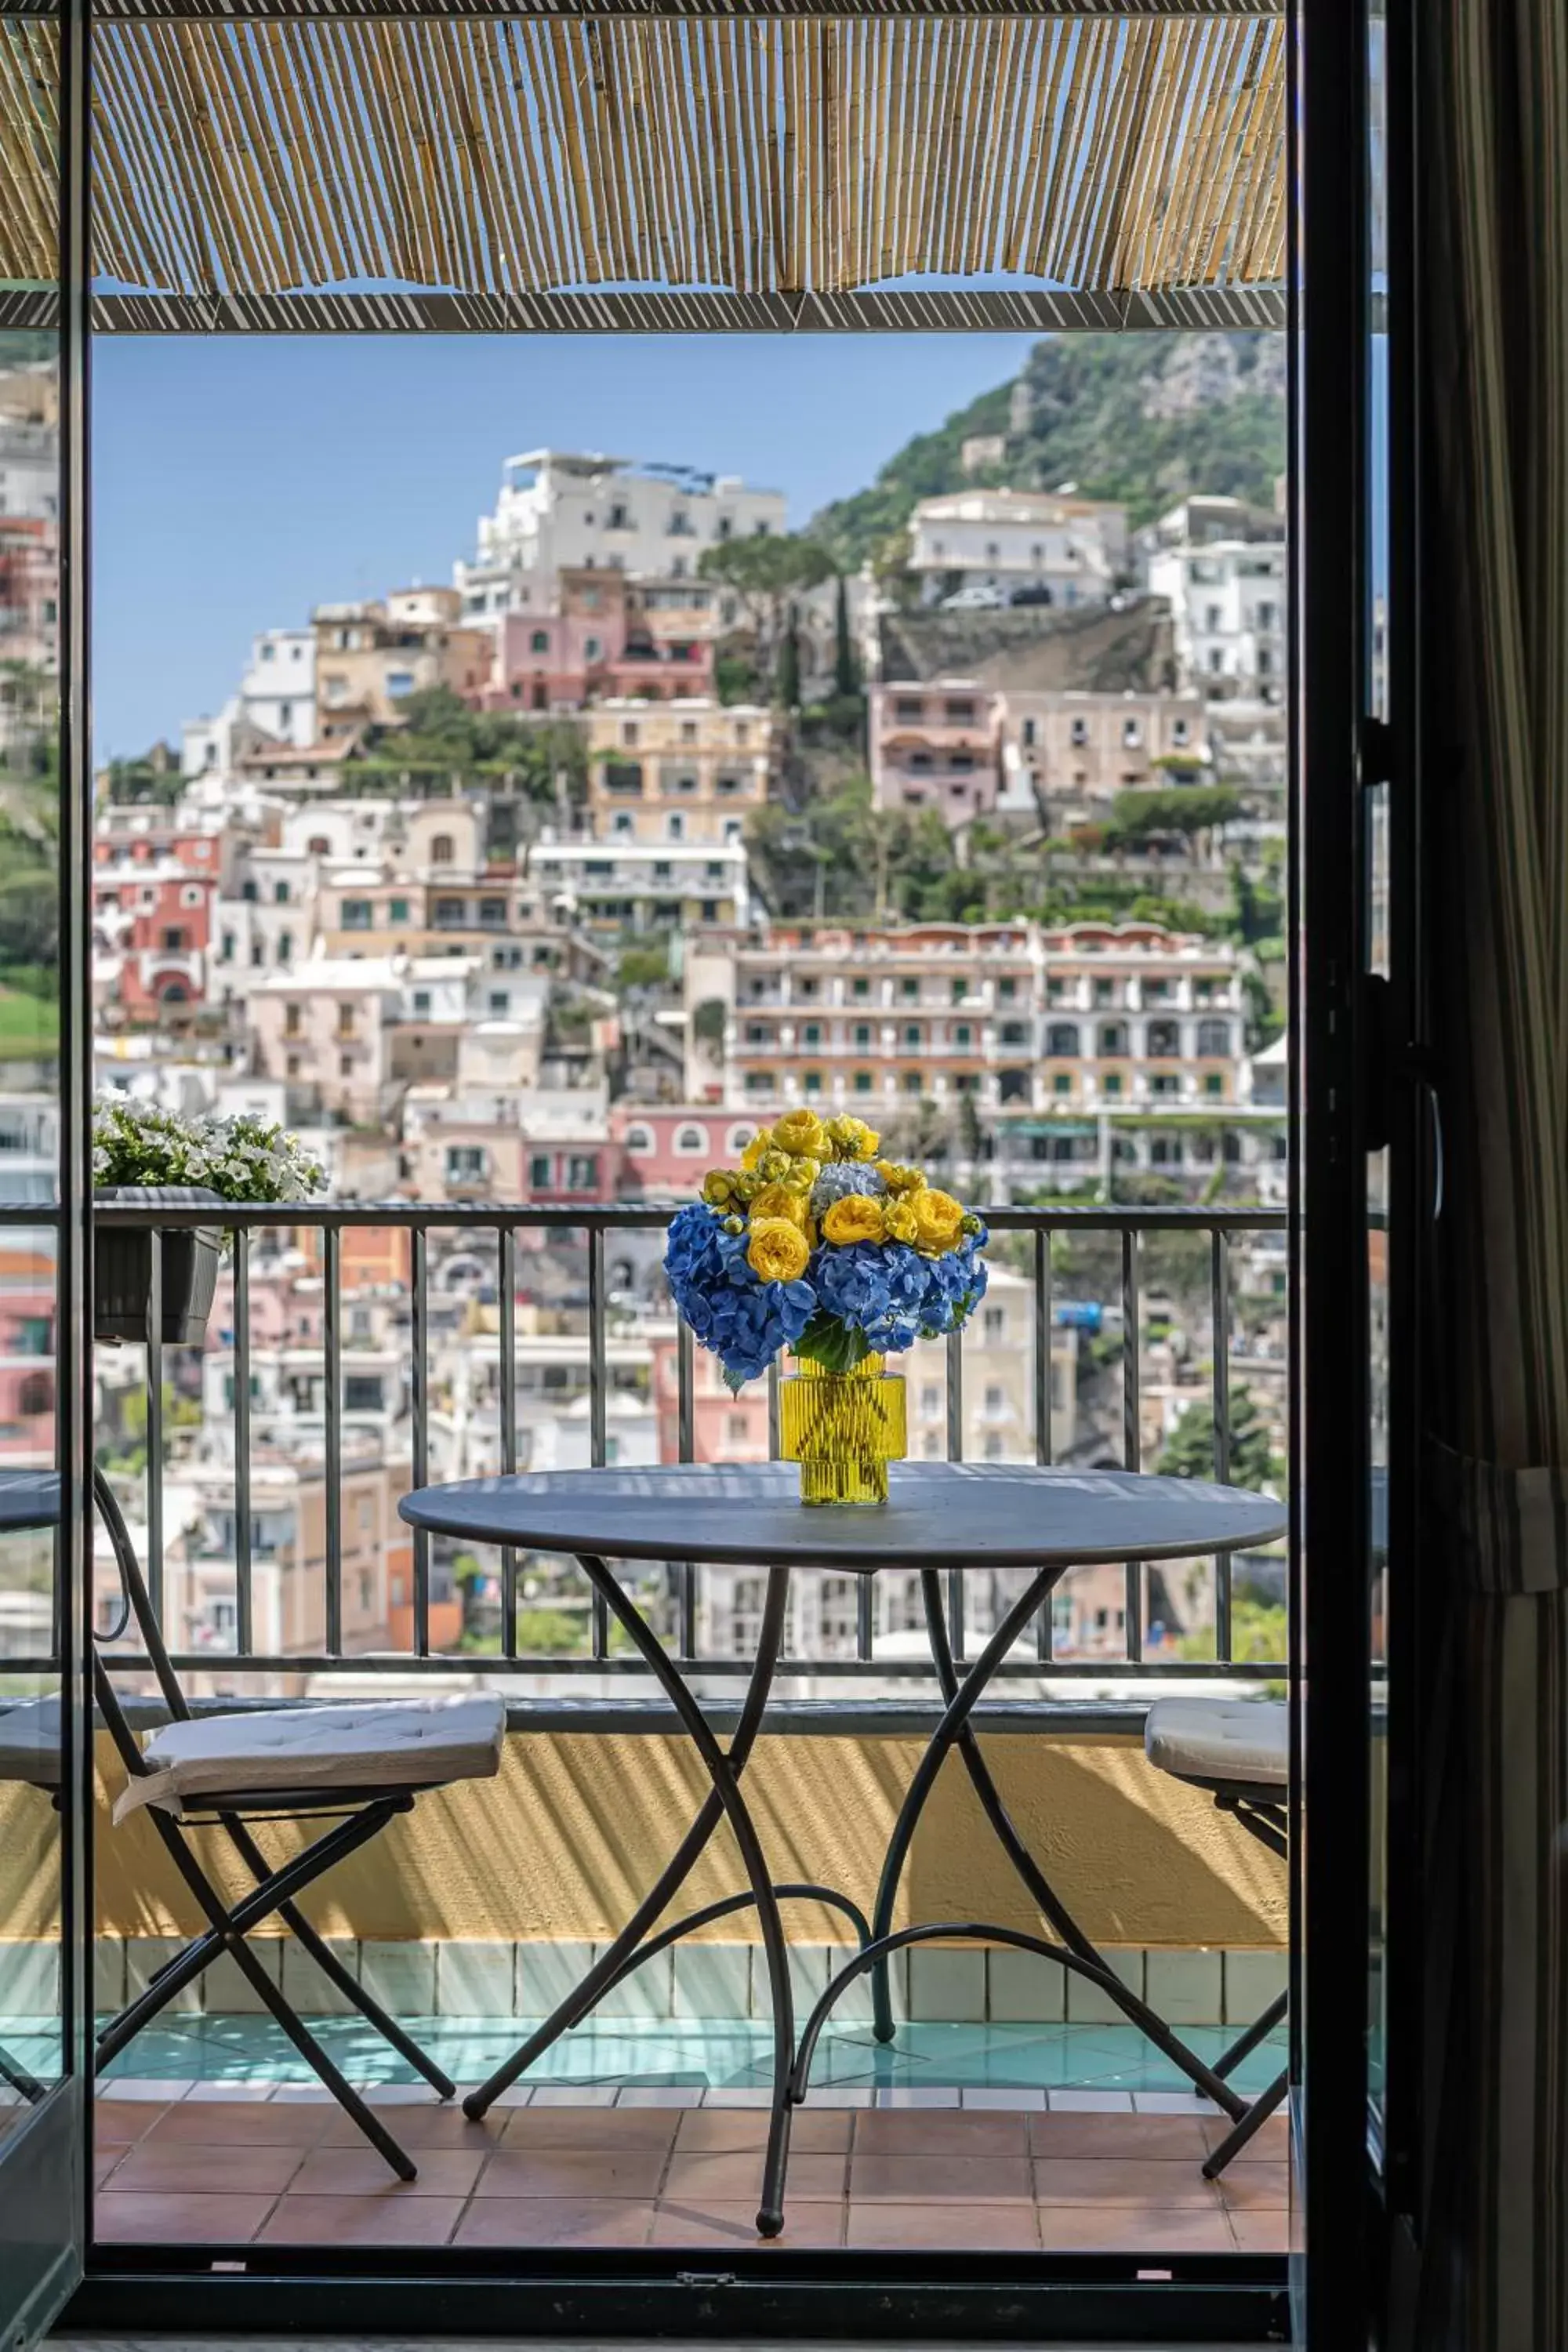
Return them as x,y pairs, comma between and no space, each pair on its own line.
643,2128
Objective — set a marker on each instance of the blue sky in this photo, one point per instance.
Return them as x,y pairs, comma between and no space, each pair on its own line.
239,481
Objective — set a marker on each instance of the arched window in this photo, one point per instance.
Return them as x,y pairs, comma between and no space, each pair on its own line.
1061,1038
639,1138
1112,1037
441,850
738,1139
1214,1039
1164,1040
691,1142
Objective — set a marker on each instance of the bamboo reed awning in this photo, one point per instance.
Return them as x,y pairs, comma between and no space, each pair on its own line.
624,172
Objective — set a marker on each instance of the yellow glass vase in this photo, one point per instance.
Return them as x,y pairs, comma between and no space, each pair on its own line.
843,1428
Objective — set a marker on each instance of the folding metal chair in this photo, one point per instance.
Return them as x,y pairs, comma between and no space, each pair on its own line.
358,1766
29,1745
1239,1752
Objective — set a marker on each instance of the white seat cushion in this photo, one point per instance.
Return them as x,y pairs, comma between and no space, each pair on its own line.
30,1742
392,1744
1244,1740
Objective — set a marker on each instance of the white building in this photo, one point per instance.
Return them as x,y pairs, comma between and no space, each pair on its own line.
558,511
644,886
278,690
1220,565
1065,550
29,471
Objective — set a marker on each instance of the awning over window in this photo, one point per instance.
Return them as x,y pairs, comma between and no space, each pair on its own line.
1061,170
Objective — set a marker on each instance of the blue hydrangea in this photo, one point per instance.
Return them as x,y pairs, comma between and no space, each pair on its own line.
878,1288
955,1285
743,1320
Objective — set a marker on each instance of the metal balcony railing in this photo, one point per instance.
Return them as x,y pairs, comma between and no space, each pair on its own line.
501,1225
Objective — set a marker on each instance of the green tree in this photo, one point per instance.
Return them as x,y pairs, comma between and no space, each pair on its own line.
438,740
767,573
1191,810
1189,1453
786,674
845,668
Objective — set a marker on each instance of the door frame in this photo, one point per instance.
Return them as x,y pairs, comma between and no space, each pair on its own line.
45,2171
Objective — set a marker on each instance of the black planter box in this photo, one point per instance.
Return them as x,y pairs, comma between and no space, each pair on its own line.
122,1268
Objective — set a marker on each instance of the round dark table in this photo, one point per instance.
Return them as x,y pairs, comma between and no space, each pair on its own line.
28,1498
939,1517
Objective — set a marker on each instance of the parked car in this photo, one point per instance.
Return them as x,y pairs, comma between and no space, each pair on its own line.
1035,593
975,598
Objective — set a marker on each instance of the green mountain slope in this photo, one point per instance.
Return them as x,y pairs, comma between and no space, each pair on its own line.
1142,418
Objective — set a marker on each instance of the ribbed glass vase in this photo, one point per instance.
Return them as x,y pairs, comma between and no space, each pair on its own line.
843,1428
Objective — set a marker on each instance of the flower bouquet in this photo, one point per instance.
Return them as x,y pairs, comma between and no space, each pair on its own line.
817,1245
141,1155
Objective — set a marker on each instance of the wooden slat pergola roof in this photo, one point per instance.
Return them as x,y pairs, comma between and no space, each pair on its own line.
375,168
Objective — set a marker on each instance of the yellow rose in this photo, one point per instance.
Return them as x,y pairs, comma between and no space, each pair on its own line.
899,1222
778,1250
800,1175
719,1188
753,1155
939,1220
778,1201
900,1179
852,1139
856,1218
773,1165
801,1132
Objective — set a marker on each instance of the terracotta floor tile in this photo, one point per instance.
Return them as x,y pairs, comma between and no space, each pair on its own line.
714,2131
361,2172
943,2180
736,2176
704,2222
1270,2144
1000,2229
105,2162
555,2222
939,2131
1255,2188
187,2218
617,2128
117,2123
179,2170
218,2123
573,2172
1135,2230
1139,2138
393,2220
1102,2180
419,2126
1262,2233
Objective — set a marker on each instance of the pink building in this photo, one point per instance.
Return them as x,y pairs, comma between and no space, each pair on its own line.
725,1428
27,1352
665,1153
934,745
591,642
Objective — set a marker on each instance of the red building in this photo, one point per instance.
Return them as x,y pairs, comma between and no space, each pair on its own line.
153,922
666,1153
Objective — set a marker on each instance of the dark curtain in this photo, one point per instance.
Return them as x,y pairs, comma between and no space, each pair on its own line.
1493,2275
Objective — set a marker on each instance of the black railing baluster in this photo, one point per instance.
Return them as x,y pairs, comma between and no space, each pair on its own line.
244,1597
598,1380
506,1277
420,1403
155,1425
332,1383
1219,1311
955,1454
1045,1375
1132,1428
686,1451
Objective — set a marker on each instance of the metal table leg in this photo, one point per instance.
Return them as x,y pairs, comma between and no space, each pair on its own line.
634,1943
954,1731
